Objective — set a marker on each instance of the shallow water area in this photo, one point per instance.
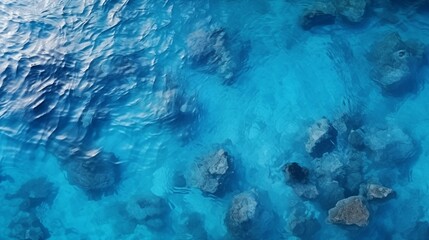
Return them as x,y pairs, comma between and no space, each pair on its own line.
116,106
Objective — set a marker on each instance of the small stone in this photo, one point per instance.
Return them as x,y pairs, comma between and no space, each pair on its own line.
356,139
350,211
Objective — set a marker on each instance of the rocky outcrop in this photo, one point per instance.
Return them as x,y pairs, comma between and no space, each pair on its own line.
396,63
246,217
322,138
211,172
350,211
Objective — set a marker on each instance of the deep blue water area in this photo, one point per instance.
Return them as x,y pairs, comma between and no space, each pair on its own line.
214,119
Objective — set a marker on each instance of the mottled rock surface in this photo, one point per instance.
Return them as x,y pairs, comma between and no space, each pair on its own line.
212,171
375,191
150,210
350,211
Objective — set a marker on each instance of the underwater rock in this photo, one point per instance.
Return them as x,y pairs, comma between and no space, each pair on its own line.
374,191
246,218
26,226
330,193
210,50
350,211
352,10
396,64
354,173
320,14
151,211
194,225
302,223
356,139
34,193
307,191
212,172
322,138
391,145
97,175
294,173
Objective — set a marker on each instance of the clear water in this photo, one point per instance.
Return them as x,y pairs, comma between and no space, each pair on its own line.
94,77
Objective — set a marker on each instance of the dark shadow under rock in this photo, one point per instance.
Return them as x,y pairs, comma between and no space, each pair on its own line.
294,173
34,193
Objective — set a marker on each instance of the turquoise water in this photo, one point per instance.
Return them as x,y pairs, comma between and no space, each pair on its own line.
115,85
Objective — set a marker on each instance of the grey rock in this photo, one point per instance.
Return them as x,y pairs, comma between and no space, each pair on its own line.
211,172
322,138
350,211
356,139
246,217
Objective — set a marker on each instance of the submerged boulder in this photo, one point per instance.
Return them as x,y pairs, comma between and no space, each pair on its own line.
211,173
396,63
375,191
149,210
350,211
322,138
352,10
34,193
97,175
302,222
246,218
319,14
26,226
391,145
209,49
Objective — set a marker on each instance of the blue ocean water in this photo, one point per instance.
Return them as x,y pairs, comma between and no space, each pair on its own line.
111,110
